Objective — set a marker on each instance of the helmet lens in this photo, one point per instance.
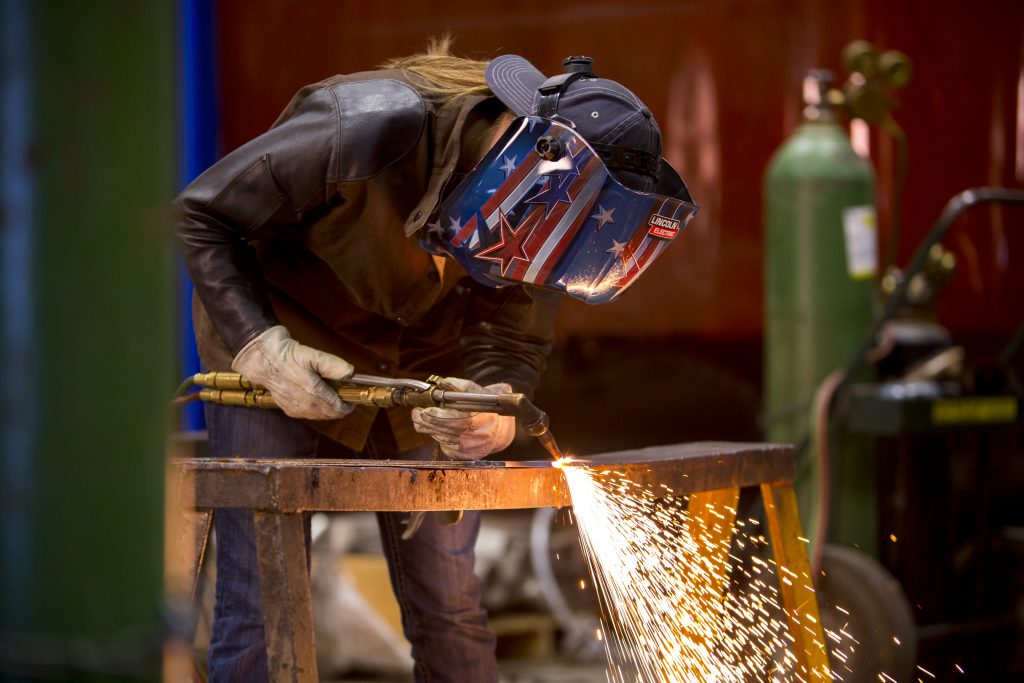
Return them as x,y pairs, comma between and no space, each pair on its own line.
542,208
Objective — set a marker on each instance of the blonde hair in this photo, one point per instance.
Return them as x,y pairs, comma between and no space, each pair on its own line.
446,77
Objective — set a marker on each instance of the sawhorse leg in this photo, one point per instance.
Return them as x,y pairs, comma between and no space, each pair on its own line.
795,583
712,517
285,597
196,534
284,587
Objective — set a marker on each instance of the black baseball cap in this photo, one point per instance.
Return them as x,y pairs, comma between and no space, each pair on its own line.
609,116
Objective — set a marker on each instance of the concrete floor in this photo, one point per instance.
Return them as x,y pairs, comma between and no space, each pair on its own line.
522,672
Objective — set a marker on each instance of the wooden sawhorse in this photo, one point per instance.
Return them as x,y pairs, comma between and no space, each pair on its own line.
280,491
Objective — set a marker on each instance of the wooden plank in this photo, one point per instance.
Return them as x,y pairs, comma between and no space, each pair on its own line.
795,583
285,597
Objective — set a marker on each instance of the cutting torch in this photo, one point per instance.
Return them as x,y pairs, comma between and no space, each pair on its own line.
231,388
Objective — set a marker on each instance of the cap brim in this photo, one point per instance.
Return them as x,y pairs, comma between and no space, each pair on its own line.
515,81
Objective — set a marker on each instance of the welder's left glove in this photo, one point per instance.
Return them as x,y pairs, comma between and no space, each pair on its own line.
466,436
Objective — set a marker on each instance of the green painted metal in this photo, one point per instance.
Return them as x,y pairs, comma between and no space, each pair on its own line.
816,313
83,490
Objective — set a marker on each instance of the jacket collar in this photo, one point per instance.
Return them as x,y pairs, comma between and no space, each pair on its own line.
450,121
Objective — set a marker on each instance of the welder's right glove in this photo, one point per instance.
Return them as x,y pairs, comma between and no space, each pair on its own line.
294,374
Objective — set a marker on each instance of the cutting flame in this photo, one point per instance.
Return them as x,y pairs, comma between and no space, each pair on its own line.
674,608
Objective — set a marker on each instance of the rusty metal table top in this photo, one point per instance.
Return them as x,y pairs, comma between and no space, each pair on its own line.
405,485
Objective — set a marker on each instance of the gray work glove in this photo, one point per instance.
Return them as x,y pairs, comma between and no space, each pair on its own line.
466,436
294,374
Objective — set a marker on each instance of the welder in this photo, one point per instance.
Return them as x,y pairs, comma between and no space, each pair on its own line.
423,218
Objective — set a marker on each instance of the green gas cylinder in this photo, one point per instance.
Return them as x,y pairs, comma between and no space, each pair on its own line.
820,266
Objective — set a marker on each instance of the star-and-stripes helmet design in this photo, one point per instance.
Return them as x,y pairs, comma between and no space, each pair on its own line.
542,208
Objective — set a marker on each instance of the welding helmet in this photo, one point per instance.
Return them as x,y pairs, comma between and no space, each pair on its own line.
574,196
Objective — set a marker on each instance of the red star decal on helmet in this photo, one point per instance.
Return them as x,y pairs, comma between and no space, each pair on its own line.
509,248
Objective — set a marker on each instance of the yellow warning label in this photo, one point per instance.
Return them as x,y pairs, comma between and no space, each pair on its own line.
975,410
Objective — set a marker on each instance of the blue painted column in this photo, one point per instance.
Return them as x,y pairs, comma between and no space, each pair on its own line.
200,143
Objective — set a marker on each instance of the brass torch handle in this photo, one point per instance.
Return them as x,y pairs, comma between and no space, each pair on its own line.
382,397
221,380
231,388
250,398
261,398
234,389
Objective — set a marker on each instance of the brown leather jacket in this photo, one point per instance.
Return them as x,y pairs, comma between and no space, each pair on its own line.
313,224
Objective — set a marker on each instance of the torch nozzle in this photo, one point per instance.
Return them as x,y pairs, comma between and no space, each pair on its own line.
537,425
548,442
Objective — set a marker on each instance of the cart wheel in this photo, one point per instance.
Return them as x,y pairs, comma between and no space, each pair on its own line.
559,564
859,596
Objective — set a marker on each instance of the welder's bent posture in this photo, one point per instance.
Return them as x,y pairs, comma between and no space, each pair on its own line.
341,240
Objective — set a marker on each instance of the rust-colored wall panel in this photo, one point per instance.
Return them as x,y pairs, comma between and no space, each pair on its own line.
964,117
722,78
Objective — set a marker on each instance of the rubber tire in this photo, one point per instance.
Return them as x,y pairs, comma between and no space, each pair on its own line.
879,616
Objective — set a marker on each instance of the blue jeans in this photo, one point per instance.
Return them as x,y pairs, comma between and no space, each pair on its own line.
431,573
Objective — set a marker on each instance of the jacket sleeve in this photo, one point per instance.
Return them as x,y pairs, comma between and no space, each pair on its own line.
508,335
254,192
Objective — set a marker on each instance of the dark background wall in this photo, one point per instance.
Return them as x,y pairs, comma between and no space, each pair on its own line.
722,77
679,358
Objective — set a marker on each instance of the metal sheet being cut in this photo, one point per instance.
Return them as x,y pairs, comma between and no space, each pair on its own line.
407,485
701,466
